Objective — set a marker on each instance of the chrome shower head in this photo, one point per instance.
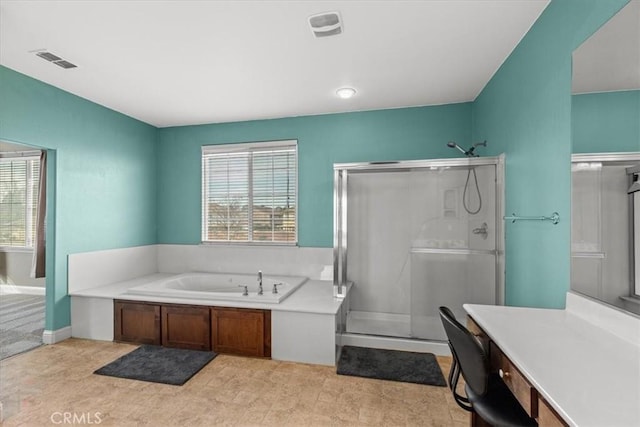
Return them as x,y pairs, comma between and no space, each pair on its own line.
452,144
470,151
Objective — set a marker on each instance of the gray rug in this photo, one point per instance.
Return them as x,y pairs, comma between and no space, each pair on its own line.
158,364
21,323
403,366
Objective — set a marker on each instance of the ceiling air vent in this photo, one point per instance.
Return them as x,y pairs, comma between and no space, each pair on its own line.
48,56
55,59
64,64
326,24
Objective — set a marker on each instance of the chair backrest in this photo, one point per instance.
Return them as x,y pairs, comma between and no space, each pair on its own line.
469,353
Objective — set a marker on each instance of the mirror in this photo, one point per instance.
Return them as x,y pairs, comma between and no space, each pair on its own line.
605,228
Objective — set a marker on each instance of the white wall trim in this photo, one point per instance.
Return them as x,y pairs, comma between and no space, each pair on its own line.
52,337
14,289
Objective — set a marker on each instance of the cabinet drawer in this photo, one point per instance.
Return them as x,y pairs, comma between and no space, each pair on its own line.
547,417
519,386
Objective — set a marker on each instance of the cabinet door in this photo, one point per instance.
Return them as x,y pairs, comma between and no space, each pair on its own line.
241,331
137,322
186,327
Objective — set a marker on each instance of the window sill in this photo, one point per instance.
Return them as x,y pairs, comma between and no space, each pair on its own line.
268,244
16,249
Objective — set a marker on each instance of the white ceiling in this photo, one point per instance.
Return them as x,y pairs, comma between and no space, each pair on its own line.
609,60
172,63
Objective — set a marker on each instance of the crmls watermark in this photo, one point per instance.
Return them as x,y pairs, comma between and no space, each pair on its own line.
76,418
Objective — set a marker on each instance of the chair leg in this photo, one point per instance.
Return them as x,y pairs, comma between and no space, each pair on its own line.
454,368
454,376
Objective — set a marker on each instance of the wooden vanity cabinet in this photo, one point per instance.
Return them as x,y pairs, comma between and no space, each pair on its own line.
137,322
240,331
186,327
519,385
245,332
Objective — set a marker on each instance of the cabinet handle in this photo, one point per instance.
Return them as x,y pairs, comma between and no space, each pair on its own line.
503,374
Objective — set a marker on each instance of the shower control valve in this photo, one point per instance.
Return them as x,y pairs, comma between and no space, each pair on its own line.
482,230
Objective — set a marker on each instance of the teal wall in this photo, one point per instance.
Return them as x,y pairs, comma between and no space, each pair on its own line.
401,134
122,183
104,165
525,112
606,122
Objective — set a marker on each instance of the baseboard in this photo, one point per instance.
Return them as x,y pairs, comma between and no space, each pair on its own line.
28,290
52,337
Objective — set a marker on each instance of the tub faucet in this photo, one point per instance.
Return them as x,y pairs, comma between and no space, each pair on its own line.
259,282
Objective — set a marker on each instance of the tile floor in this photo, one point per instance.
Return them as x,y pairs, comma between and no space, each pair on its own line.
52,382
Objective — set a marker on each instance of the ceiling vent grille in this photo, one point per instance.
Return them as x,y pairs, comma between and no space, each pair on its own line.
55,59
48,56
326,24
64,64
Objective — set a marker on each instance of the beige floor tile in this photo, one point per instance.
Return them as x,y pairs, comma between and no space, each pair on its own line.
234,391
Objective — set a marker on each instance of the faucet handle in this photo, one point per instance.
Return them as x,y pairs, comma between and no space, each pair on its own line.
275,288
245,292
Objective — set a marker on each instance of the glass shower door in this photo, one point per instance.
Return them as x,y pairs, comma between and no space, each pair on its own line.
419,238
453,256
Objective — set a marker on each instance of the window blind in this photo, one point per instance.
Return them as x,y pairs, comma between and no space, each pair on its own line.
250,192
18,201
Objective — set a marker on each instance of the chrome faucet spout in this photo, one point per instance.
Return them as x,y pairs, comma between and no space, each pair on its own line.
260,282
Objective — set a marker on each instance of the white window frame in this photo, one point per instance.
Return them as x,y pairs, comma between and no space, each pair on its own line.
29,237
243,147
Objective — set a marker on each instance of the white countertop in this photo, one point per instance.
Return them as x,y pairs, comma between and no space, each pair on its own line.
313,296
589,375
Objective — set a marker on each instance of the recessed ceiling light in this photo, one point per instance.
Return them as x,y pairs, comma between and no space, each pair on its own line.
346,92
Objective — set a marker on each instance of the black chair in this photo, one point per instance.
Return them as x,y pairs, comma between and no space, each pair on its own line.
487,394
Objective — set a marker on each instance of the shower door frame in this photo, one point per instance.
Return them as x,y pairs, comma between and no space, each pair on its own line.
340,199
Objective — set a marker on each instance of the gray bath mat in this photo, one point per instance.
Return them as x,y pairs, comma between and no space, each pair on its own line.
403,366
158,364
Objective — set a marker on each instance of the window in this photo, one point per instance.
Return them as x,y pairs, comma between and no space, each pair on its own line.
249,192
18,200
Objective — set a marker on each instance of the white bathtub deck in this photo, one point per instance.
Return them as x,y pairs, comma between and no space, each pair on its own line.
314,296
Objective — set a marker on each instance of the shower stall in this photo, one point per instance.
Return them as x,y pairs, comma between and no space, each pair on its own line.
410,237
